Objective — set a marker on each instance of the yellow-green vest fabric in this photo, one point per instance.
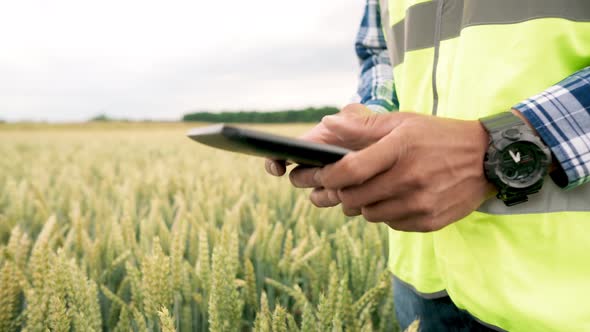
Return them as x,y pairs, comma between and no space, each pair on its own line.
411,255
523,268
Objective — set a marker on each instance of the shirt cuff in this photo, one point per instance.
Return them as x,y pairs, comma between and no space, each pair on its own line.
561,116
380,105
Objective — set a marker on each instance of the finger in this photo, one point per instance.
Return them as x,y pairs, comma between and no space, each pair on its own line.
370,127
358,123
319,134
304,177
351,212
312,136
384,186
353,112
384,211
458,206
322,198
404,225
359,166
393,212
275,167
414,223
355,109
402,214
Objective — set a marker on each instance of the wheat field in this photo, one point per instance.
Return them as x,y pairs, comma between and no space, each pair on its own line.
133,227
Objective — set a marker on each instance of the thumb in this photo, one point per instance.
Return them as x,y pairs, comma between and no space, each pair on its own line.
365,127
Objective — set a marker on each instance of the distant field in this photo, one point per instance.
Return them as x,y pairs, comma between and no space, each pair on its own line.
179,127
127,226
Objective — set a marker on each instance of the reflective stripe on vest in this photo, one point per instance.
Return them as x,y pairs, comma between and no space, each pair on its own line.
522,268
420,19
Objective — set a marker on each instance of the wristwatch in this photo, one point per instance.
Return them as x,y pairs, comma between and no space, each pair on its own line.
517,160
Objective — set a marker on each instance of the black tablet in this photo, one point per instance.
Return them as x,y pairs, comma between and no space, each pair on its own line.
263,144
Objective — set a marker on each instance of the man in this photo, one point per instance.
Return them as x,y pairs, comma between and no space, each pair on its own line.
495,95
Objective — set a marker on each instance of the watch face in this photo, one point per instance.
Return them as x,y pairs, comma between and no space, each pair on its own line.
522,164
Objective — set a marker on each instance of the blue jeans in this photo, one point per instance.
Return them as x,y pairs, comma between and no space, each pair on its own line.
438,314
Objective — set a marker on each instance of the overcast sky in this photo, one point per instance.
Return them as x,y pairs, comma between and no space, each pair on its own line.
68,60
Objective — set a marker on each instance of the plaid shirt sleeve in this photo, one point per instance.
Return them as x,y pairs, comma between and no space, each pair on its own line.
376,88
561,116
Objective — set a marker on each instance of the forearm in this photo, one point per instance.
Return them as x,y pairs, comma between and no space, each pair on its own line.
561,117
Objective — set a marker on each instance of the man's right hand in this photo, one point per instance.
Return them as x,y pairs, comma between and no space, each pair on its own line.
355,127
324,133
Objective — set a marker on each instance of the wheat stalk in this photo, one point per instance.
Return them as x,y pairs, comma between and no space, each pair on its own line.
131,222
166,322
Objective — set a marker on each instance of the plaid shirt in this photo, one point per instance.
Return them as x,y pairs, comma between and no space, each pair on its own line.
560,114
376,88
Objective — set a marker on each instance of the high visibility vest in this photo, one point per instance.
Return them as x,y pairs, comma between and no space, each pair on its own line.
520,268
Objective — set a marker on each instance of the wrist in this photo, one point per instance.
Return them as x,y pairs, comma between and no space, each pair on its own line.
517,160
525,120
481,138
554,163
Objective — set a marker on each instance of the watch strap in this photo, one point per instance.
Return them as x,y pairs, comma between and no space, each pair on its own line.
501,121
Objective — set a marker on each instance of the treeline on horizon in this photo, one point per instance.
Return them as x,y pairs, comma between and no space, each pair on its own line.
310,114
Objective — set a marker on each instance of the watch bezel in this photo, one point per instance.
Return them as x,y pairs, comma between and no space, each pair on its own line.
499,144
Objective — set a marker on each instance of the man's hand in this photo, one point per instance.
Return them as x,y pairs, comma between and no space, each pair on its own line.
349,137
422,175
354,128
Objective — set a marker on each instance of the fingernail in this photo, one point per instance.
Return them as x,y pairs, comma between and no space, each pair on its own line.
317,177
332,118
273,169
333,197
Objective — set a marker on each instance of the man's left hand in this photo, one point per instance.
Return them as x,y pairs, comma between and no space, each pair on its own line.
424,174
